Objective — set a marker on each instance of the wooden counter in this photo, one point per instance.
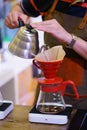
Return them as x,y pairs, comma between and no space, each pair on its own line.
18,120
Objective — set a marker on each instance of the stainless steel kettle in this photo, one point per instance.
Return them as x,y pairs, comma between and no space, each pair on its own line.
26,43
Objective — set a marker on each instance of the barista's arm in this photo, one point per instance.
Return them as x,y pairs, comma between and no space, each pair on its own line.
54,28
80,47
25,9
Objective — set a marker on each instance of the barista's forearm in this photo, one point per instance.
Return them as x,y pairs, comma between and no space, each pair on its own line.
80,47
54,28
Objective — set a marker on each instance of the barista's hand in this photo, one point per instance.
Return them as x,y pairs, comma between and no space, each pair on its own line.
54,28
11,19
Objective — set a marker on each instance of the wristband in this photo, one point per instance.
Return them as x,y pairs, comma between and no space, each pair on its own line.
71,44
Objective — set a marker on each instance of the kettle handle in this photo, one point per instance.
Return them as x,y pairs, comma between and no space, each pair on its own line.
21,23
72,84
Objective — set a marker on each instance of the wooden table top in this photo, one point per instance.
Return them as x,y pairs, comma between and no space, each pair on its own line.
18,120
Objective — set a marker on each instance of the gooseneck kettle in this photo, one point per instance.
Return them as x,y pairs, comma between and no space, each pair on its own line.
25,44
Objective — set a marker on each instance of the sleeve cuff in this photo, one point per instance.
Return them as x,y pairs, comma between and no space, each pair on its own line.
28,8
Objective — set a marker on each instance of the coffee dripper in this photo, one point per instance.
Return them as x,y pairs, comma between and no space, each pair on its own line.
52,88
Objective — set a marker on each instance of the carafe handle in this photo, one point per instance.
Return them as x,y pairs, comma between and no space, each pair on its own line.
72,84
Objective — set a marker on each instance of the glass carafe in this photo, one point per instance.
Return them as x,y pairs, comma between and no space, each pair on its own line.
50,102
50,99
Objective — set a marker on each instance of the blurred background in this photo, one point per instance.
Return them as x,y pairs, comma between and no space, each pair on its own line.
5,6
18,77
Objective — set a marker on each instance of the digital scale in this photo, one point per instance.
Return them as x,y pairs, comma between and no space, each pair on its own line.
59,118
6,107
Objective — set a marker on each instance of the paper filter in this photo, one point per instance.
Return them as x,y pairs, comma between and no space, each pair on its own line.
55,53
